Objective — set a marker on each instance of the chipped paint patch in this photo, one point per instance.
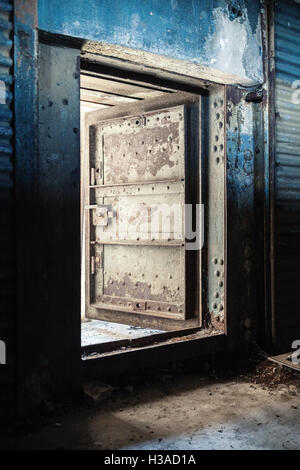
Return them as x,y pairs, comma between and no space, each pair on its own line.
26,12
176,31
233,47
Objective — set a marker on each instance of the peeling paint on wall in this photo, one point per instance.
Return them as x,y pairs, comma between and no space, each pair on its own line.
244,154
202,32
233,47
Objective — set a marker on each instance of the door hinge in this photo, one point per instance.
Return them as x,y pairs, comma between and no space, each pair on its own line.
92,264
92,177
96,262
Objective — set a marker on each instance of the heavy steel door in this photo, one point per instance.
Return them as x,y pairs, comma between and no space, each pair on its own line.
139,182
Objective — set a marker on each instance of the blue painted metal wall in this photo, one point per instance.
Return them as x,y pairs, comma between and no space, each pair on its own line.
7,209
245,218
287,173
203,32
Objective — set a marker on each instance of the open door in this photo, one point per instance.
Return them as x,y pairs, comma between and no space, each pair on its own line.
141,171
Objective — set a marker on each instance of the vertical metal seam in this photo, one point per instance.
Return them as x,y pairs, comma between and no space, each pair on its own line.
272,182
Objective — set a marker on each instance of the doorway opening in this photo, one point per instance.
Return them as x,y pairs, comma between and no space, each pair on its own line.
140,194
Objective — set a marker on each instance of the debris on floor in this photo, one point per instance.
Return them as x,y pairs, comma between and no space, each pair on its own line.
272,375
97,392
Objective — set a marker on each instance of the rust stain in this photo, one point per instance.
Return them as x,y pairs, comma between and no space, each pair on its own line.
217,322
26,12
140,217
146,152
126,287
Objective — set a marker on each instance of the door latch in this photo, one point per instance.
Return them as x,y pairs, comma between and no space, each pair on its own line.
101,214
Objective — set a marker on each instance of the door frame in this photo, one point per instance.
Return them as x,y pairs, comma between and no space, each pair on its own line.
26,77
213,144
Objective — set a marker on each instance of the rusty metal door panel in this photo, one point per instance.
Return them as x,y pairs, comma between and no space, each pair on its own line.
151,148
138,278
137,190
141,217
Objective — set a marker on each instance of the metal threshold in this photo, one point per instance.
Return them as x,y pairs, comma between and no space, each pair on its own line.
93,351
164,349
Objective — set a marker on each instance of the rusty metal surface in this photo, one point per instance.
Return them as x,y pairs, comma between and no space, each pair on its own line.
26,11
151,147
139,162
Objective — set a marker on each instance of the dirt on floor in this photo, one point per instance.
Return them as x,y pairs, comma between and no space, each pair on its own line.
271,375
184,406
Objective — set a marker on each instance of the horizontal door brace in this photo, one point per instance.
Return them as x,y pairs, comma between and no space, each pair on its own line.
135,183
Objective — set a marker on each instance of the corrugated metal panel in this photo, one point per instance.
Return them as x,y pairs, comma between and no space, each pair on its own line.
287,177
7,231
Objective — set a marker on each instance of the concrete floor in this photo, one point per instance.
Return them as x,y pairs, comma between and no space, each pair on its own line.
187,412
98,332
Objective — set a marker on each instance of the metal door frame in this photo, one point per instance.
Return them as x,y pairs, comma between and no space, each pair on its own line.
212,263
27,37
